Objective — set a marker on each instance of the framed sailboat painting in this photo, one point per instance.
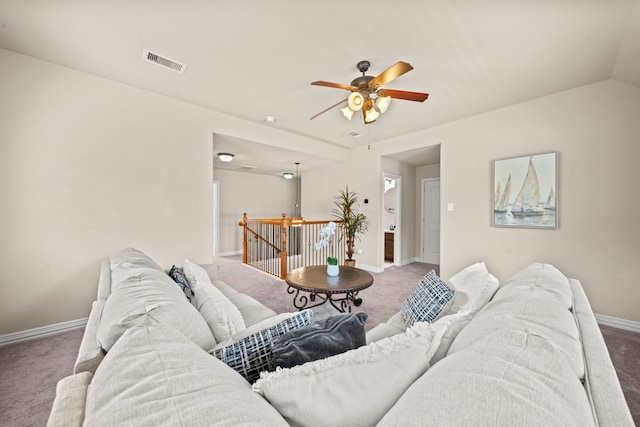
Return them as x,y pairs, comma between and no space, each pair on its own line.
525,191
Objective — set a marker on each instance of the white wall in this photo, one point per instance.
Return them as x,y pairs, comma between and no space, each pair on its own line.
362,173
260,196
595,131
89,167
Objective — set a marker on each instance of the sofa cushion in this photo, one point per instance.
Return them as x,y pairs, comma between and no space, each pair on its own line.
428,300
71,398
544,279
250,355
129,258
474,287
142,294
155,376
251,309
530,314
533,301
222,316
355,388
395,325
178,276
454,324
510,378
333,335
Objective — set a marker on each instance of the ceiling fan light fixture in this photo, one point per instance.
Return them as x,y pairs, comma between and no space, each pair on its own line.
355,101
348,112
383,102
225,157
371,115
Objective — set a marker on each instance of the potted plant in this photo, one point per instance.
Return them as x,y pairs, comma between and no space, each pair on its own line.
351,222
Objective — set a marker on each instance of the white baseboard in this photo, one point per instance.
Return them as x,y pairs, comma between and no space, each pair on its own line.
230,253
614,322
43,331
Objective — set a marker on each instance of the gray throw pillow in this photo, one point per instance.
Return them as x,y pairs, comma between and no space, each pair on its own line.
318,340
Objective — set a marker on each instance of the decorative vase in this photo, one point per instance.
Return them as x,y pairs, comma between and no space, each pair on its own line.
333,270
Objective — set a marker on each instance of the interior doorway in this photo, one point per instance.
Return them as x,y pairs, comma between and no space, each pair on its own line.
431,221
392,220
216,217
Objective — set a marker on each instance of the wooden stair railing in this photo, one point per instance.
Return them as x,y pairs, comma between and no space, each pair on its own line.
279,245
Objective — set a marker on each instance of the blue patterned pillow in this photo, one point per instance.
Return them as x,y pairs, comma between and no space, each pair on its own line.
427,300
251,355
178,276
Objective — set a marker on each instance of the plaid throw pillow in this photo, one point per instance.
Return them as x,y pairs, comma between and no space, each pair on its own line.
427,300
178,276
250,355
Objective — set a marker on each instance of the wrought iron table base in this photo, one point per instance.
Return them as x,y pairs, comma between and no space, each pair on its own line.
302,301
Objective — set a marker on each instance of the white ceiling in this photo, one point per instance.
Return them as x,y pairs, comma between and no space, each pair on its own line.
253,58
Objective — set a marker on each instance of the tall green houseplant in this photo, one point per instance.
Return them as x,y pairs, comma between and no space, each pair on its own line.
351,222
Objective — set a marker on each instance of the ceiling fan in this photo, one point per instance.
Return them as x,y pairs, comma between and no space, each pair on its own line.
366,94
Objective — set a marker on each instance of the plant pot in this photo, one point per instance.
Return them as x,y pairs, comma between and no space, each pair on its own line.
333,270
350,262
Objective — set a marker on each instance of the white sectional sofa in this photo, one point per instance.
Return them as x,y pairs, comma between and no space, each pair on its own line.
531,354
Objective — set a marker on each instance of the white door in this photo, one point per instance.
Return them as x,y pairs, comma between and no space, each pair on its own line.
431,220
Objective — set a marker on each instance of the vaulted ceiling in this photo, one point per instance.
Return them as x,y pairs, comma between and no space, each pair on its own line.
254,58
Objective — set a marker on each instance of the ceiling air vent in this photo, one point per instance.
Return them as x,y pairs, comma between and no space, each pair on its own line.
163,61
354,134
248,167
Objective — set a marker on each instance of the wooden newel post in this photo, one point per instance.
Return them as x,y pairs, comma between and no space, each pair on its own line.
283,252
243,224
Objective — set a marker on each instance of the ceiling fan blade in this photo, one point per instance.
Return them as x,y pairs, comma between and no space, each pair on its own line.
336,85
391,73
403,94
327,109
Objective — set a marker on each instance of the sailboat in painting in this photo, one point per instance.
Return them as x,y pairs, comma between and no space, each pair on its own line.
551,201
527,200
502,198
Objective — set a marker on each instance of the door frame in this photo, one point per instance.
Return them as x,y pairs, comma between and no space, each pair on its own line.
397,219
216,217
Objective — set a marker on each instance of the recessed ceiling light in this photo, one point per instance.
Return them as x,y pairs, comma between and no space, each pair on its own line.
270,119
225,157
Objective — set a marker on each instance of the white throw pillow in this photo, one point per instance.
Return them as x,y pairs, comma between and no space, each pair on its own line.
353,388
195,274
474,286
222,316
